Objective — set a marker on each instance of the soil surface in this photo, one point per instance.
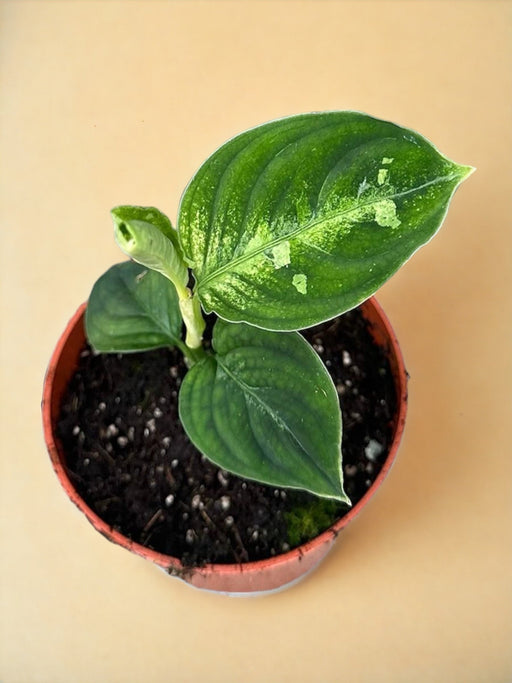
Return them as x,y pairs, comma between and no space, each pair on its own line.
133,464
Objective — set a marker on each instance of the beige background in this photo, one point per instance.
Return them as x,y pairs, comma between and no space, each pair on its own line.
119,102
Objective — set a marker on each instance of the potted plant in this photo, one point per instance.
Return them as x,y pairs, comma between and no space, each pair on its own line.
291,226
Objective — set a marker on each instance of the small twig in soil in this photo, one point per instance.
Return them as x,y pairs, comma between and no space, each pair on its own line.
154,519
213,526
168,475
244,557
208,519
103,452
105,502
222,535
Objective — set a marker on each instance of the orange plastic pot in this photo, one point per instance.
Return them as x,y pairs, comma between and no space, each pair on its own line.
236,579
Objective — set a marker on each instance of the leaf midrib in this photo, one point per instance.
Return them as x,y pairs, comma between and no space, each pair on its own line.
250,390
259,134
232,265
147,313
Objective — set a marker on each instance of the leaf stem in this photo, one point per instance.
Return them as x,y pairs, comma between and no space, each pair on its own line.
194,322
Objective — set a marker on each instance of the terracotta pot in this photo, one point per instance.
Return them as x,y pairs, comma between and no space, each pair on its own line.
244,579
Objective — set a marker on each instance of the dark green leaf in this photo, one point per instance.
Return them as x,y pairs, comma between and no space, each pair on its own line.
132,308
300,219
265,408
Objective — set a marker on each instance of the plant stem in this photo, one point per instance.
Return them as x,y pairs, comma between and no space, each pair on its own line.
193,356
194,322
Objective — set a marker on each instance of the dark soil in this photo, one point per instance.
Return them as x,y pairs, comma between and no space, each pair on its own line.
133,464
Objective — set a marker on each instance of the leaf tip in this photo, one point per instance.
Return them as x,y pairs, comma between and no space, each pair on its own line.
337,493
343,498
464,172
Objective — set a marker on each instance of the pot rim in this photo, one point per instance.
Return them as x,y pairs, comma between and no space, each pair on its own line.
372,311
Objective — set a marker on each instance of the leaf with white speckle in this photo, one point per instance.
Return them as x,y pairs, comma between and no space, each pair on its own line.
337,200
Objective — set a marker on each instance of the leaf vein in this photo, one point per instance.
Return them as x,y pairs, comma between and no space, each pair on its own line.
147,313
249,391
231,265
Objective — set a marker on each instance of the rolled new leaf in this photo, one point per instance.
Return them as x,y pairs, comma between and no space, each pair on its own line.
149,214
265,408
298,220
144,235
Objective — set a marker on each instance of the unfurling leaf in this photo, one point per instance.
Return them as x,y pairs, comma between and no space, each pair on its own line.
144,236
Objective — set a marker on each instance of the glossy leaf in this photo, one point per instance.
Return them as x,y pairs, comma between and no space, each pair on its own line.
265,408
300,219
132,308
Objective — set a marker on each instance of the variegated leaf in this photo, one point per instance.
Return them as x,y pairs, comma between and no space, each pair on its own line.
300,219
